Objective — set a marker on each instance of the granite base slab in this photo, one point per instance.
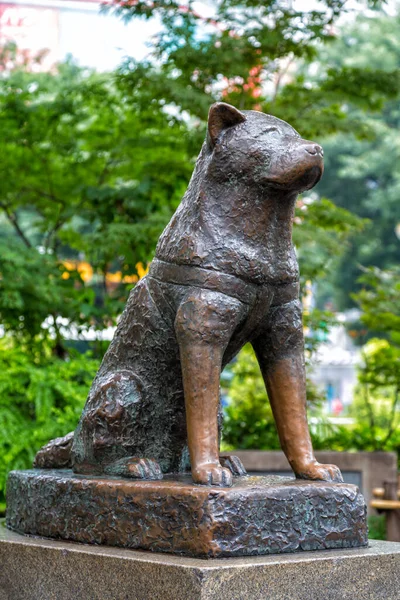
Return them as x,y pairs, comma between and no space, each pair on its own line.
257,516
37,569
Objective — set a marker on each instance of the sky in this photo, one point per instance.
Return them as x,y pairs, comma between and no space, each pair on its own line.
104,40
96,40
74,27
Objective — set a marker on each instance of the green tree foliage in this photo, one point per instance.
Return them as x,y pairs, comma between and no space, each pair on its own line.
248,420
376,405
321,231
376,402
87,174
378,399
39,400
93,166
379,300
362,174
265,57
248,53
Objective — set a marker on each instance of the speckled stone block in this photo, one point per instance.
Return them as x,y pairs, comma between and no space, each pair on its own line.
36,569
257,516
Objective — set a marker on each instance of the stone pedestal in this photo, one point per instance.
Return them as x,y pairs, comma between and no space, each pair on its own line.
257,516
35,569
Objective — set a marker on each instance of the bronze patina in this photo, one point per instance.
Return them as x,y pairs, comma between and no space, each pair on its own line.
256,515
224,274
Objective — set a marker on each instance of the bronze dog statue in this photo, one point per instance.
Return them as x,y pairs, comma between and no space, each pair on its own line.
225,273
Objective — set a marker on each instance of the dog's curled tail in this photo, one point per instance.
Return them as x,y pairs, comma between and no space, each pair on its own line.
56,454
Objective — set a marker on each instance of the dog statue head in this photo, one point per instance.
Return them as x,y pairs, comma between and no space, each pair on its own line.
262,149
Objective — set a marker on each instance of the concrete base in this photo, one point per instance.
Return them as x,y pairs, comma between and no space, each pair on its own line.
36,569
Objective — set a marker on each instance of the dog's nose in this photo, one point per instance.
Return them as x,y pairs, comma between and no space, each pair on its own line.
314,149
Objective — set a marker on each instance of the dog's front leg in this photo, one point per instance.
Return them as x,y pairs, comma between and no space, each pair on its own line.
204,325
280,353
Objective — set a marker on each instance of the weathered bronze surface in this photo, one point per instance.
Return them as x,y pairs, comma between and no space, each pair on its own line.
225,273
256,516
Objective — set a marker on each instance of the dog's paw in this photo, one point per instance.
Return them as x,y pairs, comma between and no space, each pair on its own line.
135,468
212,474
234,464
316,472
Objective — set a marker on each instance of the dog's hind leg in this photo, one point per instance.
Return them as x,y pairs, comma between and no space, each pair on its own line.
234,464
136,468
103,439
133,423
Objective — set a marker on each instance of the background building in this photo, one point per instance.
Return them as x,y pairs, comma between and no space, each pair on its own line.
335,366
73,27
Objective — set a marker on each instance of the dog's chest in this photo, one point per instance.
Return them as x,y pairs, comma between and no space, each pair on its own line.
242,238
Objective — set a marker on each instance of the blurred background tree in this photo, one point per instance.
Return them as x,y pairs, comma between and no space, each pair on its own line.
93,165
86,191
378,399
375,408
361,173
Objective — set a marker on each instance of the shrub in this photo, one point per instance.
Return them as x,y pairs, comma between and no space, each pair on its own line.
39,399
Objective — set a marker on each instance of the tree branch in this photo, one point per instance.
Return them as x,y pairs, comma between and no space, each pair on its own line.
45,194
281,75
14,222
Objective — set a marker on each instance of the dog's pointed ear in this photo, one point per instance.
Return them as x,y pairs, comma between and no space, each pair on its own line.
220,117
